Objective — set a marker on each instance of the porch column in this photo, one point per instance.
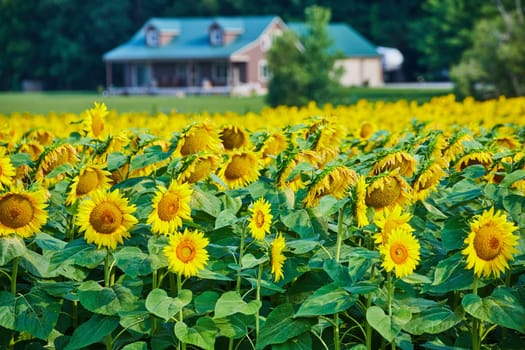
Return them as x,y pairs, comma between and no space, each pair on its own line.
109,75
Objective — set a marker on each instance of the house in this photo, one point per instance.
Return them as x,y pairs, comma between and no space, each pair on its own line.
220,55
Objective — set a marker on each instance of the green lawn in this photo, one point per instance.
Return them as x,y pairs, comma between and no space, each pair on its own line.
75,102
44,103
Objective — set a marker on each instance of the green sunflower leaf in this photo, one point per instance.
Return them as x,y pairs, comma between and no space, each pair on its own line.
502,307
201,335
161,305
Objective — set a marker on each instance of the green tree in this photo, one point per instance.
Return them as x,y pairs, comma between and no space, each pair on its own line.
495,64
302,67
444,31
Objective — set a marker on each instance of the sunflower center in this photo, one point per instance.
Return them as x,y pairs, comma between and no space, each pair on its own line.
259,219
106,218
87,182
15,211
398,253
379,198
232,138
194,142
168,206
366,130
186,251
486,243
237,167
202,169
97,126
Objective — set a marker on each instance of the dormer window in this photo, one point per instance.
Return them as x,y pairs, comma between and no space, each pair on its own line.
216,36
152,37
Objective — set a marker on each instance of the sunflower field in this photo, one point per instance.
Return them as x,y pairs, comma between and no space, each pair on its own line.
371,226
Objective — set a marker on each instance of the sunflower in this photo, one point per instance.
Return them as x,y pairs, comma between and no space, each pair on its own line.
187,252
198,168
456,146
95,125
274,145
476,157
389,220
490,243
277,257
43,137
261,219
401,160
90,178
105,218
387,191
7,170
283,178
241,169
401,252
334,182
22,212
170,207
366,130
54,157
427,181
200,137
360,203
327,137
233,137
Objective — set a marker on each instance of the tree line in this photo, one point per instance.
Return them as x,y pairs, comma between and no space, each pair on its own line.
61,42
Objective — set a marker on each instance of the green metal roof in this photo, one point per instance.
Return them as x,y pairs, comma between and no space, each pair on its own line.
345,39
192,41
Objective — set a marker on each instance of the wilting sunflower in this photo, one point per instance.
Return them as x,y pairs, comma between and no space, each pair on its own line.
274,145
456,146
427,181
401,160
335,182
234,137
241,169
387,191
22,212
261,219
90,178
7,170
490,243
52,158
283,178
200,137
360,203
43,137
187,252
328,136
198,168
476,157
401,252
170,207
277,256
105,218
94,123
389,220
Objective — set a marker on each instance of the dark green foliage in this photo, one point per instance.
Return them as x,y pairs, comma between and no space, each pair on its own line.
302,68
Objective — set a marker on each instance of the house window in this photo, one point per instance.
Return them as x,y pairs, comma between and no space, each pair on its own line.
152,37
216,36
220,71
264,72
266,42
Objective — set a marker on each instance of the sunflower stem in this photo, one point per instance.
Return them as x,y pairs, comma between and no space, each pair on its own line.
181,315
241,253
337,341
107,284
154,320
14,274
258,298
476,343
368,328
390,289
